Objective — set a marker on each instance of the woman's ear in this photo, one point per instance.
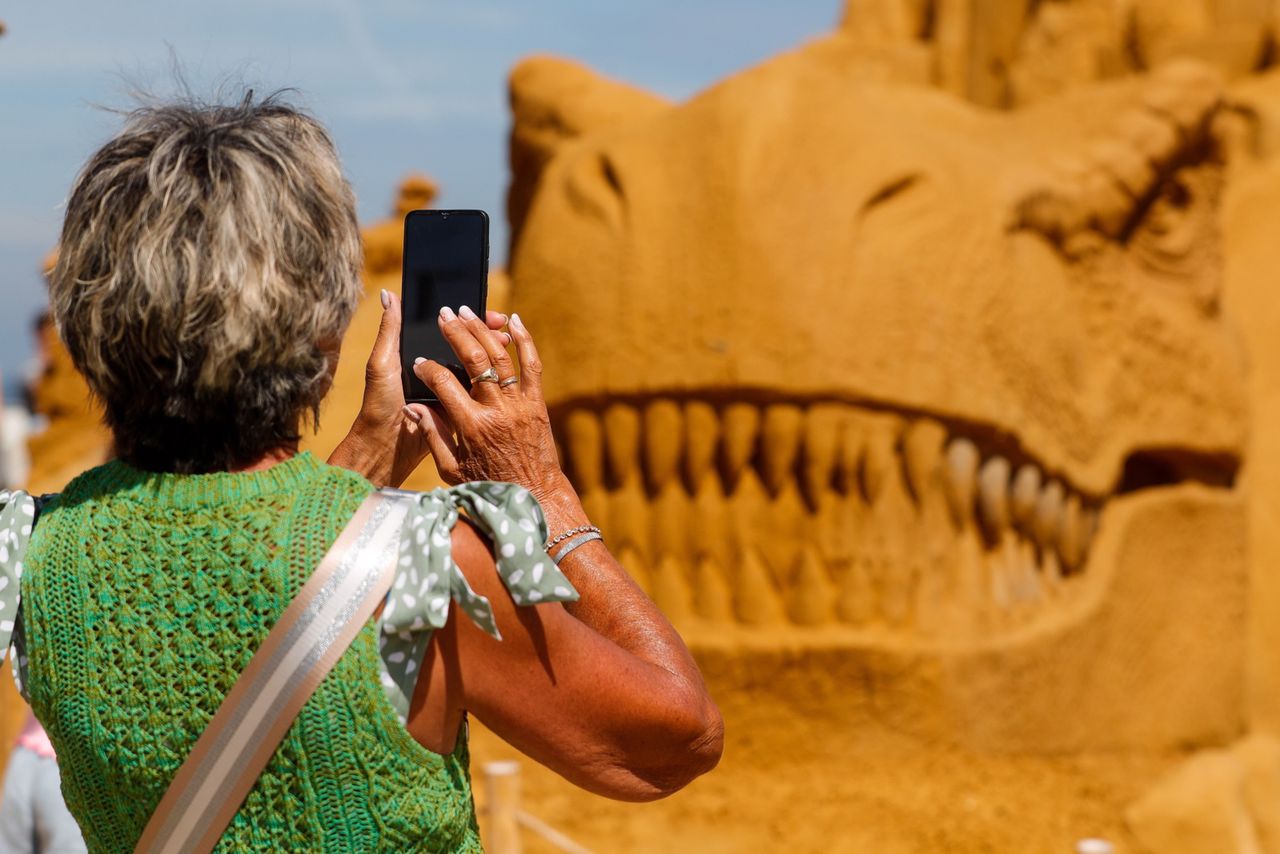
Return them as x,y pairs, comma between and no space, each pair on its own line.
331,347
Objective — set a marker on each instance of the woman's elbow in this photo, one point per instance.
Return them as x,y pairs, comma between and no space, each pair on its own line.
696,749
665,759
707,745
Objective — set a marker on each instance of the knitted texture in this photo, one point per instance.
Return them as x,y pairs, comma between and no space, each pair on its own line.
144,597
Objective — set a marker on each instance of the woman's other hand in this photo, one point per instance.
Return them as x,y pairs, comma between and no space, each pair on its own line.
500,431
385,443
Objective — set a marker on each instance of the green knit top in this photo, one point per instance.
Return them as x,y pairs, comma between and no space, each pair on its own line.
144,597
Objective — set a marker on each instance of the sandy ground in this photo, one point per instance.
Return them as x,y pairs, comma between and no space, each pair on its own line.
896,799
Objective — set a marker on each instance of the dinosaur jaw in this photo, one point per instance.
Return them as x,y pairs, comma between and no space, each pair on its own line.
886,570
805,515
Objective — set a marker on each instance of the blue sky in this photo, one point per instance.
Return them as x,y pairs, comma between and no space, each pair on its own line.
403,85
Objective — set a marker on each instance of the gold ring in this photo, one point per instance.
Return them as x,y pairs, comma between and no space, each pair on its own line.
489,375
508,381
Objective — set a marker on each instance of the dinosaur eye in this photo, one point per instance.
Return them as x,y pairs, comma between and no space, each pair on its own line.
1170,235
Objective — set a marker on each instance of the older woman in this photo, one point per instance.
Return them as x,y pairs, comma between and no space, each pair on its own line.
209,266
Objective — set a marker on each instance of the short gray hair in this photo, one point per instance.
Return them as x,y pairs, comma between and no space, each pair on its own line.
208,266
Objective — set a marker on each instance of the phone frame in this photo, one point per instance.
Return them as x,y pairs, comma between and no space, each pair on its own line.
437,213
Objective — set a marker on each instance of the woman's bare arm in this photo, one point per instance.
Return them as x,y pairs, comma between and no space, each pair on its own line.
628,725
611,602
602,690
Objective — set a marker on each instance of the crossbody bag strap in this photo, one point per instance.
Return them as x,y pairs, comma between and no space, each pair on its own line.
341,595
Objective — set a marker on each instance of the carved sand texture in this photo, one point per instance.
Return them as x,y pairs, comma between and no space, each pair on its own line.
1251,300
1008,53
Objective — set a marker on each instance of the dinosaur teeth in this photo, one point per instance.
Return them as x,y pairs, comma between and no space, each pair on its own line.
879,459
993,496
702,433
585,446
1070,533
811,597
1088,529
849,459
820,448
821,513
670,591
1049,515
780,434
741,429
663,441
922,446
712,599
621,442
1025,492
756,599
960,477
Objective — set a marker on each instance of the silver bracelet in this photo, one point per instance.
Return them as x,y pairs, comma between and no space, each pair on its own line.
551,544
579,540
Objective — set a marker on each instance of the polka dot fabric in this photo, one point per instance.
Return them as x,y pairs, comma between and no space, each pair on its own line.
428,579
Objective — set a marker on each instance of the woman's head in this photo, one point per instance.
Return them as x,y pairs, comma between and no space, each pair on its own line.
208,266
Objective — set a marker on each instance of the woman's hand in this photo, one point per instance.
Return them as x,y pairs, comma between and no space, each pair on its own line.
500,431
386,443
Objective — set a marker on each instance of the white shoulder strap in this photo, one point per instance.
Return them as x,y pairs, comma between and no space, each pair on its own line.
315,630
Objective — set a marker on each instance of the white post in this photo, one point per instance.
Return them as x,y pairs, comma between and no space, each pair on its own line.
502,789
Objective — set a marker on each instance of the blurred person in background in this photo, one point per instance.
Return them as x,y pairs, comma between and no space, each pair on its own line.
209,264
33,817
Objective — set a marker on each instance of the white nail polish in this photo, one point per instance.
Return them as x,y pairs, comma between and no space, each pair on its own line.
419,360
412,414
467,313
517,322
447,313
386,299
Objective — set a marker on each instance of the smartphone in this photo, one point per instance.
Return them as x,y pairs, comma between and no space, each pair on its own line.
446,263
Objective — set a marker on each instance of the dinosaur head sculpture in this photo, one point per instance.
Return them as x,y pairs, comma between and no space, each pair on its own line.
852,360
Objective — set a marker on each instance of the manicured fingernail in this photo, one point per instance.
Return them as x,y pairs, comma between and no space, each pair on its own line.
517,322
506,339
386,299
504,318
419,360
446,313
412,414
467,313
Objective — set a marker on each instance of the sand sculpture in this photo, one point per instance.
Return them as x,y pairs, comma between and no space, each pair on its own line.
926,420
384,240
925,414
1008,53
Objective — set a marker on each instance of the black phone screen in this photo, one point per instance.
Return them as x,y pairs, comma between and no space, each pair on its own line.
446,263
